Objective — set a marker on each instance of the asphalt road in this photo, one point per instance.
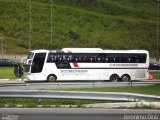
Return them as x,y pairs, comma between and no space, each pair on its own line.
14,85
77,114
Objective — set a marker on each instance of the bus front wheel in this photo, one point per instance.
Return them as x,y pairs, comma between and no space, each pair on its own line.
114,78
51,78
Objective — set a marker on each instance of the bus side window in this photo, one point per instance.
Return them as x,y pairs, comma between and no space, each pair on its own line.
129,59
143,58
83,59
87,58
68,59
75,58
114,59
111,59
124,59
98,59
90,59
52,59
64,58
59,59
72,59
56,58
107,60
95,58
102,59
80,58
136,60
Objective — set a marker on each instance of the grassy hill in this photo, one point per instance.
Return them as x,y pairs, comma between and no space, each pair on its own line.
110,24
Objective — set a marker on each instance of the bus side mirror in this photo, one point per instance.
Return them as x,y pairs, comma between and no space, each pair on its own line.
18,70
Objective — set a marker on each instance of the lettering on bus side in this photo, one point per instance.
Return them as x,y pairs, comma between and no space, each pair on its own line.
74,71
123,65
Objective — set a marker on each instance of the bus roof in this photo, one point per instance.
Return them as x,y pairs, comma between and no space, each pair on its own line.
125,51
82,49
39,50
88,50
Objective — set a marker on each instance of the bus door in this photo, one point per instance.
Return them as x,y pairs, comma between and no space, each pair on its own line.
37,65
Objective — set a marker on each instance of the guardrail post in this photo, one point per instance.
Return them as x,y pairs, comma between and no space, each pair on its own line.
17,84
27,85
60,86
17,79
94,86
130,83
39,101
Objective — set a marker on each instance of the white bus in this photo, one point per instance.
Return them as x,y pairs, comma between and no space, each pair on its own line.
87,64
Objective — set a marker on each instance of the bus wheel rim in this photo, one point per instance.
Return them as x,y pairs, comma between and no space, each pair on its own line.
52,78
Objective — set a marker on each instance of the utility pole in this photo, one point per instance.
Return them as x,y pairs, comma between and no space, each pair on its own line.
30,24
51,23
2,46
158,2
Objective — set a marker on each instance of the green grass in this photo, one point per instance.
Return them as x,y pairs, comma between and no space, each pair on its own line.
156,75
31,102
7,73
111,24
150,90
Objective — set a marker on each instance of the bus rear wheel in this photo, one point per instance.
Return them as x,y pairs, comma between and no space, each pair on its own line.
51,78
114,78
125,78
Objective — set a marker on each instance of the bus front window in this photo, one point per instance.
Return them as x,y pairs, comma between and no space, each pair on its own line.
28,66
28,62
30,55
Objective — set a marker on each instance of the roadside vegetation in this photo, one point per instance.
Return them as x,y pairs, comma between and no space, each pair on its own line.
149,90
35,102
7,73
156,75
109,24
31,102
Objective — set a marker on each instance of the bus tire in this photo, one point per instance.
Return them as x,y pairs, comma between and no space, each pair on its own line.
51,78
114,78
125,78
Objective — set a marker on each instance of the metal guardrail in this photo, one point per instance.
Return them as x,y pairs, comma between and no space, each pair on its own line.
113,96
60,85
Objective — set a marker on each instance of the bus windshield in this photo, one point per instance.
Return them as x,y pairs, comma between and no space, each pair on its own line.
30,55
27,66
